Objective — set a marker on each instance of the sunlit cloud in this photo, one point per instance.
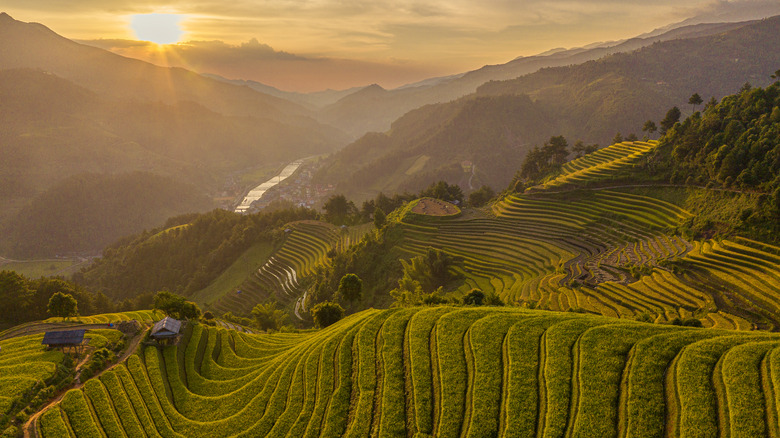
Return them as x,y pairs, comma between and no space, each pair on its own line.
436,36
157,28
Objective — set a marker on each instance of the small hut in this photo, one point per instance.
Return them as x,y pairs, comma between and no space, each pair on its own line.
64,340
166,330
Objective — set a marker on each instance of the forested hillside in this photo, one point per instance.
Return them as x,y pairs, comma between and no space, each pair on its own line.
86,212
734,143
591,101
67,109
185,255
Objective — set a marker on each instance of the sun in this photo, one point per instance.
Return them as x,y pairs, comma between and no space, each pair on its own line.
157,28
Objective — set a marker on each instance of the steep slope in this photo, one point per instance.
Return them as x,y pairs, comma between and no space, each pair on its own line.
590,101
85,213
444,372
52,130
431,143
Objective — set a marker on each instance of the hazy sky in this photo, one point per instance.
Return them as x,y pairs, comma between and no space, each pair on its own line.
308,45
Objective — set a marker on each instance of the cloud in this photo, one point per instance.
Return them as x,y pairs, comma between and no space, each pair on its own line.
253,60
435,36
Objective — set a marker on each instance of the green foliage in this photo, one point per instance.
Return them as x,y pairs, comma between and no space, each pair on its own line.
695,100
16,295
547,159
62,305
686,322
176,306
475,297
86,212
444,191
268,317
185,255
670,119
338,210
736,138
481,196
380,218
326,313
350,288
98,360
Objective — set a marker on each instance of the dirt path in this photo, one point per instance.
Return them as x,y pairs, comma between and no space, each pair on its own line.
30,431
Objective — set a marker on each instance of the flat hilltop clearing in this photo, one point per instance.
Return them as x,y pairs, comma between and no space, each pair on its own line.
441,371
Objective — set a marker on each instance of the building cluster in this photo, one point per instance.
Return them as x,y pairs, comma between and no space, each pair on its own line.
297,190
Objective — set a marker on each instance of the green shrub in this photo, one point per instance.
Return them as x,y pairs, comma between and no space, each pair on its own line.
326,313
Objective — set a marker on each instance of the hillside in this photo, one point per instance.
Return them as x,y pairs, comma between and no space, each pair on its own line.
374,109
438,372
85,213
186,254
590,101
430,143
33,45
67,109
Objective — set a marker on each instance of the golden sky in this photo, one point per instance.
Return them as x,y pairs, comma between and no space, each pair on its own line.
308,45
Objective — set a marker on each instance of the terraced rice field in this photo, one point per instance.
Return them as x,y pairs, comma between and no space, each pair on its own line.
445,372
575,251
105,318
305,247
600,165
25,363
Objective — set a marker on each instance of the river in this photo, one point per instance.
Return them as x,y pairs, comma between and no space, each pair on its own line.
258,192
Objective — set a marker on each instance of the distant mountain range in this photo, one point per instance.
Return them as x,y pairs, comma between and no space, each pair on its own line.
495,127
374,109
68,109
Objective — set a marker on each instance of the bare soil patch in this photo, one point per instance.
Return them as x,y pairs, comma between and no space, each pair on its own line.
434,207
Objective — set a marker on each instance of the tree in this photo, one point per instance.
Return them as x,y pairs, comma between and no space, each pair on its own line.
776,75
480,197
350,287
326,313
63,305
103,304
445,192
176,306
16,297
541,161
380,218
632,137
617,139
579,148
672,117
649,127
268,317
338,209
556,150
695,100
475,297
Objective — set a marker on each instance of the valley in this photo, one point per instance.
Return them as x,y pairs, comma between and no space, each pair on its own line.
555,246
